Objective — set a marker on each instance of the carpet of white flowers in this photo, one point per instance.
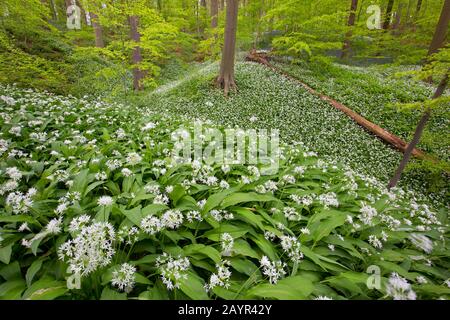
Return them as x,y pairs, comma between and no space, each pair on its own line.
89,191
269,100
373,93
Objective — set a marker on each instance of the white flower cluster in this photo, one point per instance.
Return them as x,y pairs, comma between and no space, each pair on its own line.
292,246
291,214
399,289
273,270
20,202
220,215
91,249
124,278
172,270
328,200
171,219
227,243
221,278
421,242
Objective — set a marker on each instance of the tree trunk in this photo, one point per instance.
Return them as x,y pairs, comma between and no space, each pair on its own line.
222,4
138,74
54,10
214,13
387,19
226,77
398,16
417,135
98,30
441,29
350,23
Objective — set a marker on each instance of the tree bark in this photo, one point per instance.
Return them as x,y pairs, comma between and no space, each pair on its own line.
138,74
441,29
417,135
350,23
398,16
387,19
226,77
214,13
222,4
98,30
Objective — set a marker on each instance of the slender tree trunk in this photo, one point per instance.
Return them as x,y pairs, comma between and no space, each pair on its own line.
138,74
98,30
54,10
419,6
214,13
222,4
226,77
398,16
417,135
387,19
441,29
350,23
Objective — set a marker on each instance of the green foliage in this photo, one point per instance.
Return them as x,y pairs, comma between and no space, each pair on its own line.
308,231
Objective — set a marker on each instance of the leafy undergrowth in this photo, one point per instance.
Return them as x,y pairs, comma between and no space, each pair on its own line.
268,100
90,189
374,93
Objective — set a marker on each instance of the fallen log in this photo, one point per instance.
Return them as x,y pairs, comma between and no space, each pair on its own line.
381,133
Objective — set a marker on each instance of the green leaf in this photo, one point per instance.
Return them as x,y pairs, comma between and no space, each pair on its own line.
207,251
108,294
12,289
193,287
236,198
5,254
134,215
291,288
32,270
243,247
11,271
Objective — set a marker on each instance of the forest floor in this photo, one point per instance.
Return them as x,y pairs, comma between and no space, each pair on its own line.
270,101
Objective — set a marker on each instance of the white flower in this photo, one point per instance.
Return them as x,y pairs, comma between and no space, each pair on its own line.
149,126
126,172
193,215
291,246
224,185
422,242
172,219
399,289
305,230
23,227
221,278
78,222
105,201
172,270
151,225
91,249
373,240
227,243
273,270
421,280
291,214
14,173
133,158
253,119
323,298
328,200
124,278
367,214
54,226
19,202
